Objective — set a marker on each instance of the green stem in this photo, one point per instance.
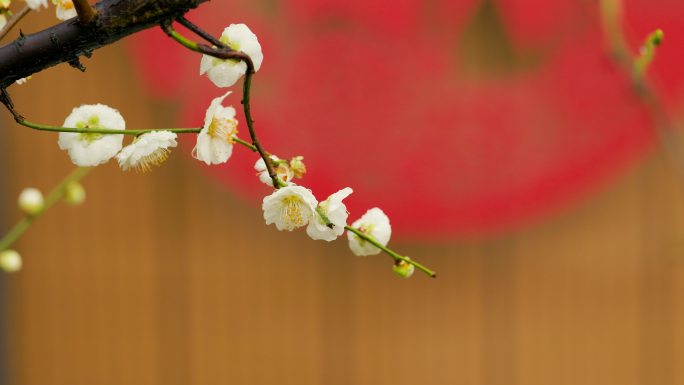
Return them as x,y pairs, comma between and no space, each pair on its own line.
245,143
647,53
45,127
53,197
106,131
390,252
184,41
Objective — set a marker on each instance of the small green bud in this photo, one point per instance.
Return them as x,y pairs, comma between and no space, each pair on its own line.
403,268
10,261
31,201
656,37
74,194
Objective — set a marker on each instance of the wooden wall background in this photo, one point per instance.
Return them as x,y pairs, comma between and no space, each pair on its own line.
168,279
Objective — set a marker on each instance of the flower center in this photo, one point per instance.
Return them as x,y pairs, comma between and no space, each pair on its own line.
92,123
65,4
222,128
292,212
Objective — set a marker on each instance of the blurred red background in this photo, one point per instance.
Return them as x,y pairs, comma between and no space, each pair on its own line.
512,156
455,117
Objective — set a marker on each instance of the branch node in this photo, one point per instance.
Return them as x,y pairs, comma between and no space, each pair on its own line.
76,63
7,101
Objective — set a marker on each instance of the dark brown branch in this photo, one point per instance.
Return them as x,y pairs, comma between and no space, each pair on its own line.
199,31
221,51
67,41
86,13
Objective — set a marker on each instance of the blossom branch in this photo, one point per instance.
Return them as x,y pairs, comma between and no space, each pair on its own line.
224,53
14,20
390,252
57,193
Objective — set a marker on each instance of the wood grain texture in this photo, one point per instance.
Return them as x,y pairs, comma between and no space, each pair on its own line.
182,283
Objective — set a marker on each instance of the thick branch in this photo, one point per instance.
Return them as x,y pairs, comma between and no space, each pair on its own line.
66,41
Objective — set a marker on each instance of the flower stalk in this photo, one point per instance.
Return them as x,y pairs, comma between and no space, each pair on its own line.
390,252
53,197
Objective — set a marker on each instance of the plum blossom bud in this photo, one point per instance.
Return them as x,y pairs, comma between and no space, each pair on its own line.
297,166
22,80
10,261
280,167
403,268
74,193
36,4
31,201
64,9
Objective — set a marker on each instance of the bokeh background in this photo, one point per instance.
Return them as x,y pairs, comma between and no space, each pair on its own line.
532,180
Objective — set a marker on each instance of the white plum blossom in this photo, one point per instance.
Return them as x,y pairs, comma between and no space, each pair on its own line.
92,149
375,224
282,170
5,3
148,150
36,4
224,73
215,140
335,211
23,80
31,201
64,9
10,261
289,207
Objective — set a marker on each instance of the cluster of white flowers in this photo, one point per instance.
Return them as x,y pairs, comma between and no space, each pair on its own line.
294,206
289,207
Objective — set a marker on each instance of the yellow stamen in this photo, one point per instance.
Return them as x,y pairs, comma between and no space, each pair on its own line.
147,162
292,213
222,129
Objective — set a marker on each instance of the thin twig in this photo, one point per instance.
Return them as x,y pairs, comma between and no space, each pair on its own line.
225,53
53,197
13,21
200,32
390,252
664,126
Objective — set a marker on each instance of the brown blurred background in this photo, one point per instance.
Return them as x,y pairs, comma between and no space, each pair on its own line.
167,278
